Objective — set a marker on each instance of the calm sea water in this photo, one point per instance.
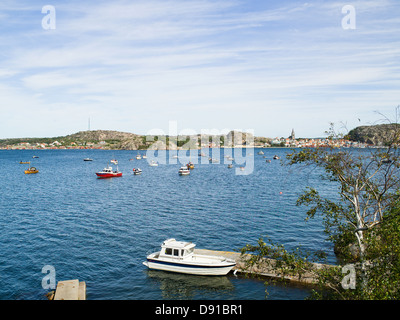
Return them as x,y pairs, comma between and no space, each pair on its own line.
100,230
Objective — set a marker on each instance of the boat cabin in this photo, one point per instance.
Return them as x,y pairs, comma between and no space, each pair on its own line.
176,249
109,170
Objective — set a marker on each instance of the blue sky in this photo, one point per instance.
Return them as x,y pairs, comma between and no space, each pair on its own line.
133,66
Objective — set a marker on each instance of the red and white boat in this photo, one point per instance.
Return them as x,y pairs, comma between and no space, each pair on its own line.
108,172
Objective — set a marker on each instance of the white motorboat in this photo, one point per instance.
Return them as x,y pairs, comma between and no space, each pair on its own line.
137,171
183,171
179,256
153,163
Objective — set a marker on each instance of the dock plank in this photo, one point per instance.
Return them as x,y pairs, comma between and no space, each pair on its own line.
67,290
82,290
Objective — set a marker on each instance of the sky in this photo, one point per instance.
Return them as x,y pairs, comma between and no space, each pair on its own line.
137,66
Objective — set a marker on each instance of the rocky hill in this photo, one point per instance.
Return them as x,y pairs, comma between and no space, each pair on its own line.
381,134
101,135
113,139
108,139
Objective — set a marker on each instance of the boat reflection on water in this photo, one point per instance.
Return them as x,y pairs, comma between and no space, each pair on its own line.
185,286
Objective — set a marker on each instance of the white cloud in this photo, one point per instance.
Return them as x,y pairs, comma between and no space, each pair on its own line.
202,63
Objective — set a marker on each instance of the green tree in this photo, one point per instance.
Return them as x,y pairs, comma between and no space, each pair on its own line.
364,216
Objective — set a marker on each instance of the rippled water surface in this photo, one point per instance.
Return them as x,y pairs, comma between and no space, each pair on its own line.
100,230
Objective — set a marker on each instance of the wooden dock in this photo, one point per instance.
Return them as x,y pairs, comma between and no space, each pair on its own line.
266,269
76,290
70,290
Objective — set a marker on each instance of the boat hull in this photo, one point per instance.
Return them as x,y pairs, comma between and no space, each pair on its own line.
181,267
108,175
31,171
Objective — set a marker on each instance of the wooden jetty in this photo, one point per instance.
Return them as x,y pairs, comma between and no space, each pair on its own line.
265,269
76,290
69,290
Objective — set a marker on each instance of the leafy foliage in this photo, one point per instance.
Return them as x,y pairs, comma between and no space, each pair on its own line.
363,222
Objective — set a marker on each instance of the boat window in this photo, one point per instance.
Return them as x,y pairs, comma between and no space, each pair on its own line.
189,251
176,252
168,251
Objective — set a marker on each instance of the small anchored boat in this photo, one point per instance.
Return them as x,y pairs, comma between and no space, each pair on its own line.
190,165
87,159
31,170
386,160
137,171
108,172
153,163
179,256
183,171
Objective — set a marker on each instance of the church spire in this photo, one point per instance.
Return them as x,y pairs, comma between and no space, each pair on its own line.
292,135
